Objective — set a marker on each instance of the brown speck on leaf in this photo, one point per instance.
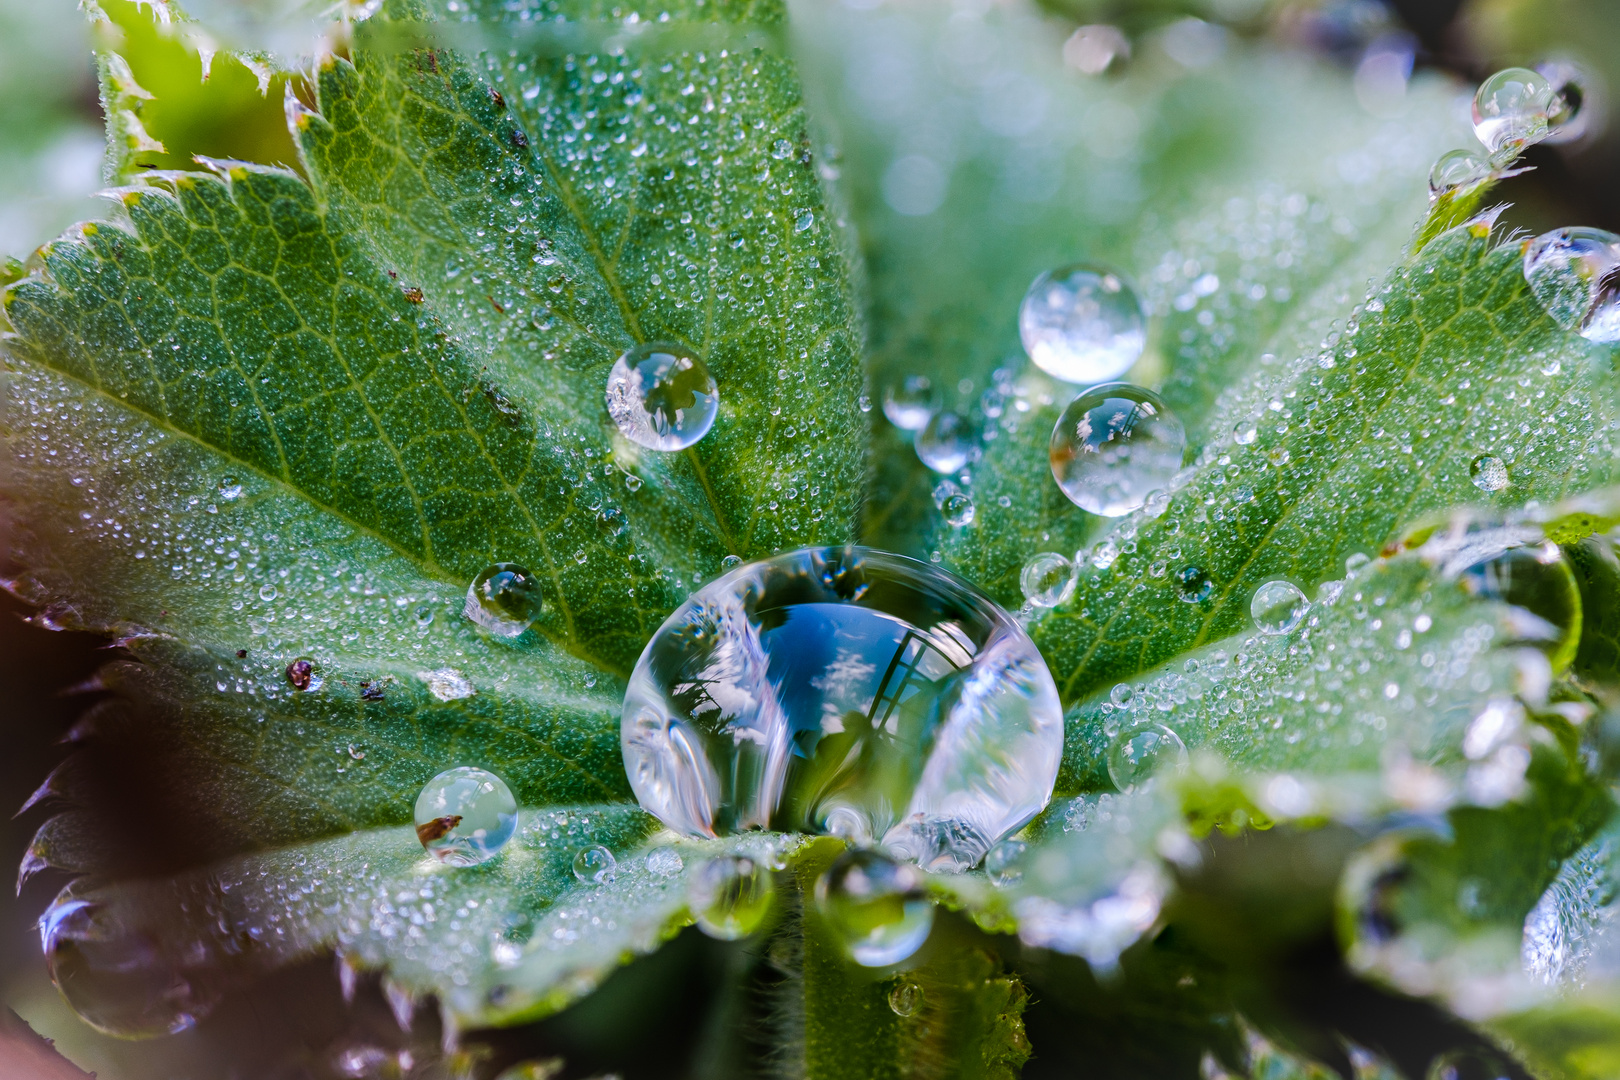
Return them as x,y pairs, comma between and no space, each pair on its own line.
495,96
241,654
414,294
429,831
299,673
496,305
393,275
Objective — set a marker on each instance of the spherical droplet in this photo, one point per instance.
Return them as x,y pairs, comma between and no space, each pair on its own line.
465,815
1489,473
948,442
267,592
1001,864
595,865
1121,695
844,691
118,977
910,402
1575,276
876,905
662,396
1113,446
958,509
1137,753
1457,169
1047,579
503,600
1194,584
730,563
1278,607
1537,579
906,997
1082,324
730,896
304,674
665,861
1245,432
1511,108
230,488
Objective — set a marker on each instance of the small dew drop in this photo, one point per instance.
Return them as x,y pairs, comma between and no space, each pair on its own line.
267,592
1511,109
1115,445
230,488
910,402
1193,584
1278,607
1488,473
503,600
465,815
595,865
1137,753
1457,169
662,396
730,896
906,997
1082,324
1047,579
665,862
1001,865
948,442
958,509
730,563
1245,432
1574,274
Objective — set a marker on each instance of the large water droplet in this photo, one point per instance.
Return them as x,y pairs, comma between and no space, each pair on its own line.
1082,324
878,906
662,396
1457,169
1113,446
730,896
1488,472
465,815
1511,108
844,691
1277,607
595,865
1572,110
948,442
118,978
1002,867
1575,276
910,402
1137,753
503,600
1047,579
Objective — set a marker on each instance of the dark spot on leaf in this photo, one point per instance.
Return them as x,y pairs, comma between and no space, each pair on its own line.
429,831
393,275
299,672
496,305
500,402
371,691
520,140
495,96
414,294
241,654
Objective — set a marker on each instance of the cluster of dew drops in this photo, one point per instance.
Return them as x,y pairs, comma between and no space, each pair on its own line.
1115,449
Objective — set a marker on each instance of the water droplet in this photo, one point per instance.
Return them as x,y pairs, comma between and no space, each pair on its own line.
661,396
1457,169
948,442
844,691
730,563
876,905
1121,695
958,509
1575,276
304,674
1536,579
423,616
267,592
503,600
610,520
1104,554
1194,584
230,488
1082,324
465,815
1468,1065
1001,864
1488,473
595,865
864,403
1047,579
1113,446
665,861
117,977
1245,432
910,402
804,222
1277,607
1137,753
1571,111
632,482
906,997
1511,109
447,684
730,896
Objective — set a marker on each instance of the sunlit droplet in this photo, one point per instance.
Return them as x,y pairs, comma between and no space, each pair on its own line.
504,599
876,905
465,815
1113,446
958,509
1082,324
662,396
1511,108
1194,584
1001,864
230,488
665,861
1277,607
